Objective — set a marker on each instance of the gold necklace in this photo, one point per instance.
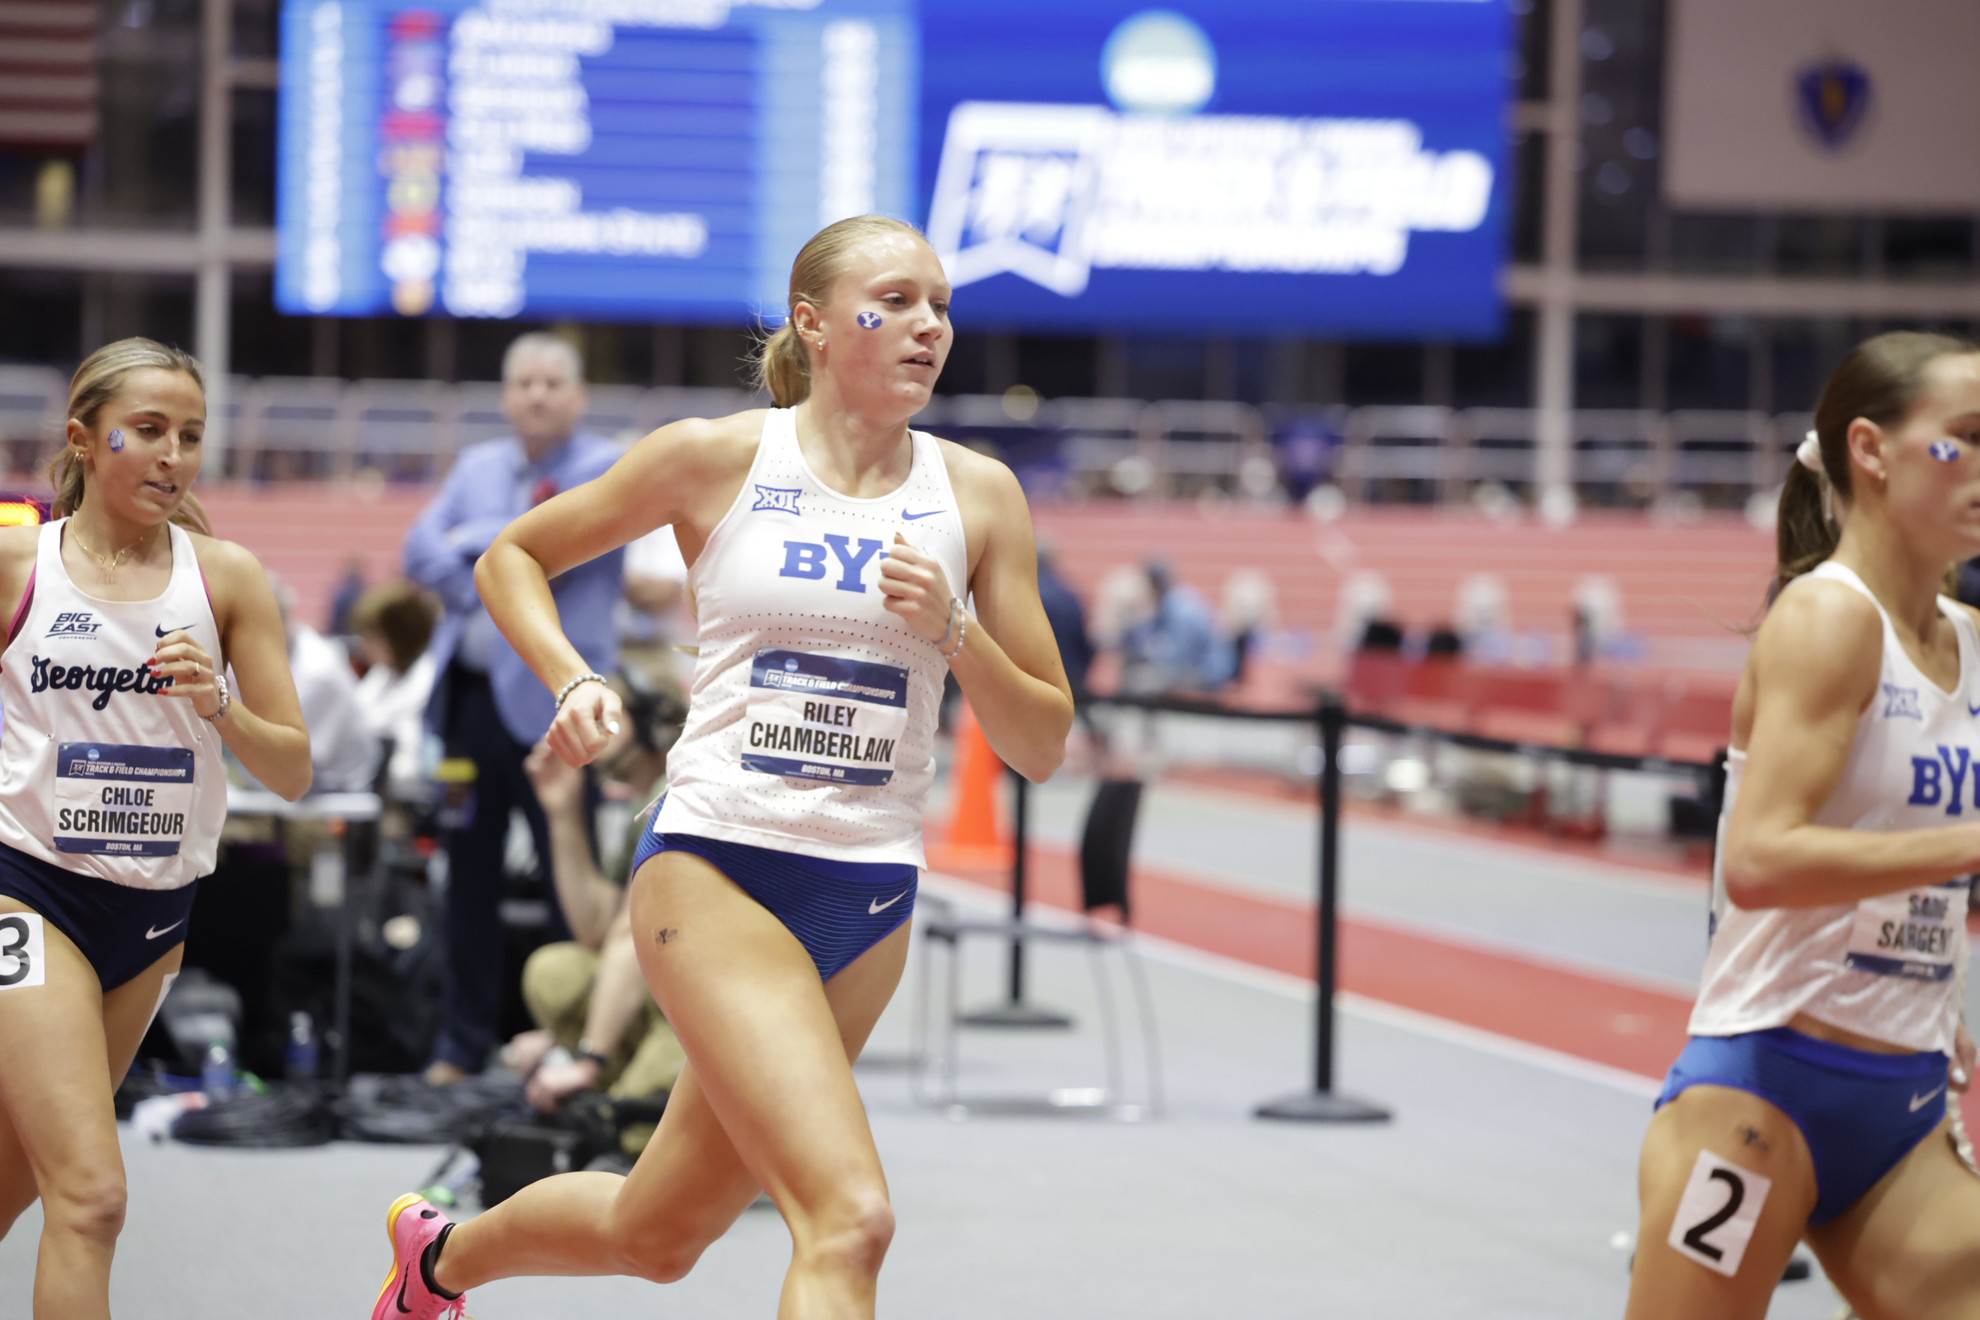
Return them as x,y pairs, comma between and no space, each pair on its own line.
108,564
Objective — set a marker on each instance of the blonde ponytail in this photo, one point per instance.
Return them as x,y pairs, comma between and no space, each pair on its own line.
95,383
783,363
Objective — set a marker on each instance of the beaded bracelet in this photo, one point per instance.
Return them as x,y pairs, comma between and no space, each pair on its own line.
955,607
226,698
962,631
581,678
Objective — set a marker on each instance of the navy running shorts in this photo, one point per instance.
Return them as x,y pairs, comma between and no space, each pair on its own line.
837,910
1861,1113
120,929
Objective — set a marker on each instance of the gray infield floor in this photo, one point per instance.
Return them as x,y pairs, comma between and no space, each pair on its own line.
1496,1192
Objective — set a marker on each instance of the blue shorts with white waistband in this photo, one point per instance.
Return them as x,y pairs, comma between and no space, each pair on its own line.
120,929
837,910
1861,1113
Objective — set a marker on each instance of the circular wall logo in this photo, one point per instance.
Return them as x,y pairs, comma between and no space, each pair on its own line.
1159,63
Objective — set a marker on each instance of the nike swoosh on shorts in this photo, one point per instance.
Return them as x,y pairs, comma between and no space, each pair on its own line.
154,934
874,906
1918,1102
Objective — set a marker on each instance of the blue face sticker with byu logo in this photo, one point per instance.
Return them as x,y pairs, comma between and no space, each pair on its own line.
1945,451
871,320
116,442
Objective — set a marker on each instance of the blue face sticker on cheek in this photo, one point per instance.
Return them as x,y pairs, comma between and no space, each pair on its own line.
1945,451
116,442
871,320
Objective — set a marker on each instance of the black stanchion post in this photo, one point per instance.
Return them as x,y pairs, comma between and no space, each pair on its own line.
1014,1012
1323,1104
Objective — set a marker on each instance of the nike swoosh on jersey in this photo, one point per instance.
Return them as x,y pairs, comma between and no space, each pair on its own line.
1918,1102
917,517
1973,710
162,630
154,934
874,906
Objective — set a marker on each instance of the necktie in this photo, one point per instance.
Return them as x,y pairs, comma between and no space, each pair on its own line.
544,488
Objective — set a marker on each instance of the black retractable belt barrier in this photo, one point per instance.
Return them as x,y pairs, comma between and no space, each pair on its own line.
1323,1104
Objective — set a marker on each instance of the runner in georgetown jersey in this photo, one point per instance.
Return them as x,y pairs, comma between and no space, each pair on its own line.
842,567
111,788
1812,1100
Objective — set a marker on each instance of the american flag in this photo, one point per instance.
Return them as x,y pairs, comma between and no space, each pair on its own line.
48,82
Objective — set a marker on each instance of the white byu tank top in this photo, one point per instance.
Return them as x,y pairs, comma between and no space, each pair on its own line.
98,773
1892,968
811,722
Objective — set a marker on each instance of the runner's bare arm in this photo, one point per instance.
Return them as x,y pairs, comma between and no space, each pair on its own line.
673,476
1815,668
264,727
1009,665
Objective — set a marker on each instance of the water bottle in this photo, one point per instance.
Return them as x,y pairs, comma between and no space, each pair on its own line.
216,1074
300,1059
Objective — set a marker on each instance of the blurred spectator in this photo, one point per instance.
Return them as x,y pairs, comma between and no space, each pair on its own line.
1178,647
349,587
393,624
1365,595
341,749
1251,608
1597,616
1484,617
1307,447
1068,619
487,706
657,614
586,994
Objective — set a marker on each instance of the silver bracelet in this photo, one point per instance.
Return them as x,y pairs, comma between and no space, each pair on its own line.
955,607
581,678
962,631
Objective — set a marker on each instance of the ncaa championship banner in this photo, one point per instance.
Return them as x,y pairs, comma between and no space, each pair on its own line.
1831,105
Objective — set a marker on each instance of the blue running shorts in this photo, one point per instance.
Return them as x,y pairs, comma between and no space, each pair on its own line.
121,930
1861,1113
837,910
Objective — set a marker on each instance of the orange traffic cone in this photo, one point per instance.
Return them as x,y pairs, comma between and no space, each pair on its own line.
974,837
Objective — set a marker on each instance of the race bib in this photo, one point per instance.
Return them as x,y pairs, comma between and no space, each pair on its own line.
824,717
1915,933
120,800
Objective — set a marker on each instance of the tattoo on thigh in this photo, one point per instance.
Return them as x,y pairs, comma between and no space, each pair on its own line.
1751,1136
665,935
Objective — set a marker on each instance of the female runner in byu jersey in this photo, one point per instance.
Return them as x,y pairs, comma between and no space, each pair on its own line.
832,550
111,787
1812,1098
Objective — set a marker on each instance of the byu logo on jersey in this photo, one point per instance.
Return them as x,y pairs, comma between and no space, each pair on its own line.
777,499
77,625
808,559
1942,779
1901,703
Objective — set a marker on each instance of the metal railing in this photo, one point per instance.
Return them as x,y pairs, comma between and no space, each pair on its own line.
287,428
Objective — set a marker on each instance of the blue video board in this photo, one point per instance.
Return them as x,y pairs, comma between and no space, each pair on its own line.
1327,166
604,159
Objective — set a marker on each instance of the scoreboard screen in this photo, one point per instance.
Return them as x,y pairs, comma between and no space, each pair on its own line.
605,159
1321,165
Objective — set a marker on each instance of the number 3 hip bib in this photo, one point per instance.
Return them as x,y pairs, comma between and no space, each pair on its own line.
122,800
824,717
1913,933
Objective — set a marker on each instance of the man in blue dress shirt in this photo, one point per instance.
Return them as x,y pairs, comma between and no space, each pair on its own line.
487,706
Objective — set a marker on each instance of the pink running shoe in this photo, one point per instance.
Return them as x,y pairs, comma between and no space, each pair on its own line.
412,1223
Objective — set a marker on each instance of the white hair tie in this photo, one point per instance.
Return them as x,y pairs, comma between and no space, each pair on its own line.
1809,454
